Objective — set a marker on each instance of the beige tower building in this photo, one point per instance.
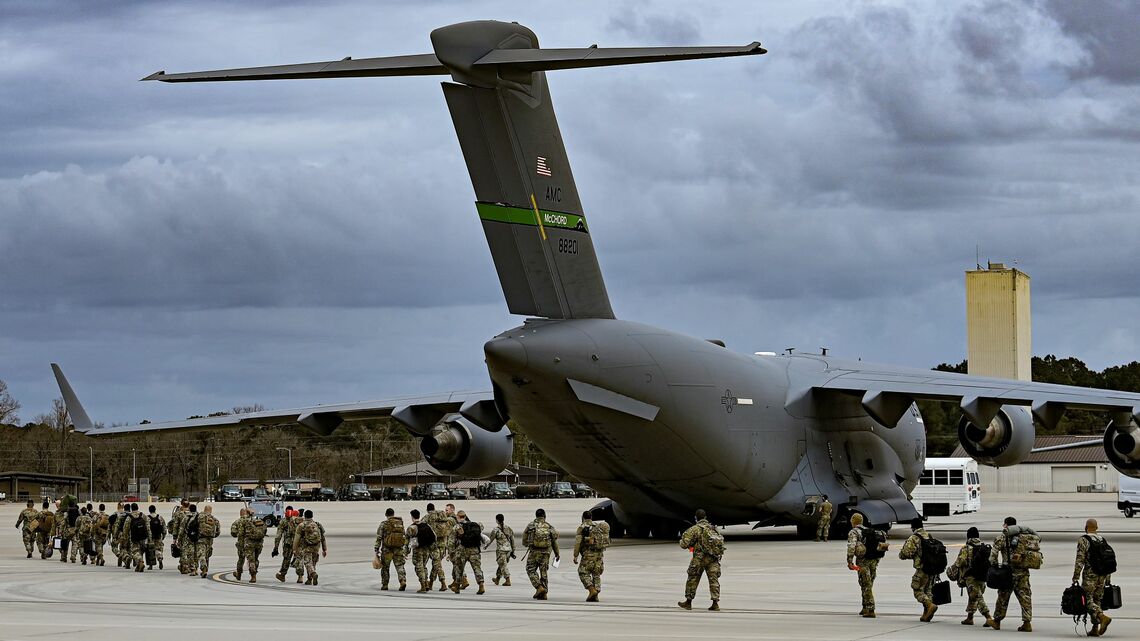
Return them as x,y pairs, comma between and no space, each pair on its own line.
998,325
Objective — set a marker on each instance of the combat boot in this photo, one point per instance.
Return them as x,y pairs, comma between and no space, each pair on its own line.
506,583
384,586
1025,627
868,614
442,586
1095,631
81,562
592,595
542,594
496,579
403,586
160,564
308,581
314,579
715,607
423,588
969,620
482,590
687,604
280,576
237,575
253,577
464,584
1104,621
30,556
301,579
455,588
996,624
928,612
989,623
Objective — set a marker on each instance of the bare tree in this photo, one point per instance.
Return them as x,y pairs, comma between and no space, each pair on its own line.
8,406
57,419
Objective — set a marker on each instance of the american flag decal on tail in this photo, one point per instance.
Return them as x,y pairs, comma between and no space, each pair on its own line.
543,170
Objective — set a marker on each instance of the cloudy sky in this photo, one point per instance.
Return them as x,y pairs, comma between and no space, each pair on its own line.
181,249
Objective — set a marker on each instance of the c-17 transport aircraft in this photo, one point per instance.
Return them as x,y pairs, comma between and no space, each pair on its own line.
659,422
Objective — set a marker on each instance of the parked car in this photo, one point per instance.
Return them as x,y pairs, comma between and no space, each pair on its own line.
291,491
324,494
430,491
558,490
494,490
396,494
229,492
355,492
458,494
583,491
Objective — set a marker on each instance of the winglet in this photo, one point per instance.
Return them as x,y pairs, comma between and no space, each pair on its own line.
79,418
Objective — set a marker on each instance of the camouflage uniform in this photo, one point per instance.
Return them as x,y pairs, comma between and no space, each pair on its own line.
43,534
591,550
435,520
178,533
421,557
1021,588
156,542
250,534
208,529
85,531
65,529
392,554
868,568
504,539
538,558
284,540
27,534
101,530
975,588
462,554
308,554
122,539
921,583
701,563
1092,582
135,550
824,528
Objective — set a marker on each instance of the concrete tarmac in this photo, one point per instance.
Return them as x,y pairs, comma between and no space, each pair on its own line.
774,586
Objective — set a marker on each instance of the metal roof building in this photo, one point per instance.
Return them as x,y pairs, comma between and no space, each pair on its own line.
1079,469
38,486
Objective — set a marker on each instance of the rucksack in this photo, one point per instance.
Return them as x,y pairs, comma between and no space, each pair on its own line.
155,528
542,536
395,537
311,534
257,531
192,529
1026,552
873,541
47,521
102,525
111,520
932,556
137,529
209,527
472,535
711,542
425,536
979,567
1101,557
1074,602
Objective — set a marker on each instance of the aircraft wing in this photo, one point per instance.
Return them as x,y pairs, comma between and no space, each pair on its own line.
417,413
887,392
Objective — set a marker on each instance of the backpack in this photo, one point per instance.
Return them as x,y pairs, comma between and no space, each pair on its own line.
1101,557
1074,602
932,556
472,535
711,542
193,532
310,533
873,541
234,528
111,520
594,538
394,537
102,525
137,529
425,536
47,521
155,527
257,531
542,536
1026,552
979,567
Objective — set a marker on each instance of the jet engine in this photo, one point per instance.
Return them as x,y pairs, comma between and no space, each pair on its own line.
458,445
1007,440
1123,448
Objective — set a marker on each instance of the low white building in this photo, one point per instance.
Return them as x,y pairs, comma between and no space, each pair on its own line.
1082,469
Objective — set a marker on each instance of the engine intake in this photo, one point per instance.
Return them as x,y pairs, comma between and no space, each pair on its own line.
458,445
1007,440
1122,446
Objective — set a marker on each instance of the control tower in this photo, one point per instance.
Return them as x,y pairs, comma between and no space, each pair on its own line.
998,323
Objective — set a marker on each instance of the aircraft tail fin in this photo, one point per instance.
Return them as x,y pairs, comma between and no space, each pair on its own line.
500,105
79,419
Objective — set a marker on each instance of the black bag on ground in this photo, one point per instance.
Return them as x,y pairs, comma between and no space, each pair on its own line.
1074,602
175,551
933,556
941,592
999,577
150,556
1111,598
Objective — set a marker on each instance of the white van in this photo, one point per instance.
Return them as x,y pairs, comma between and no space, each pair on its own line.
1128,498
949,486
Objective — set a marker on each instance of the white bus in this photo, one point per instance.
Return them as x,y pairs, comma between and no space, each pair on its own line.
948,486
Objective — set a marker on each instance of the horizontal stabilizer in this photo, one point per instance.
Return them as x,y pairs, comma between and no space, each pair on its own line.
424,64
581,58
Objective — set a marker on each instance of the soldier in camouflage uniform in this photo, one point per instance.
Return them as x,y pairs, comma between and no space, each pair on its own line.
823,530
434,520
178,534
504,539
43,534
975,588
308,546
921,583
136,549
122,537
867,568
703,562
1021,588
24,524
235,532
157,526
250,533
84,533
66,530
1092,582
540,539
590,541
450,543
469,539
283,543
391,546
102,529
421,555
208,529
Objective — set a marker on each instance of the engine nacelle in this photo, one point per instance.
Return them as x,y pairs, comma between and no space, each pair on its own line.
1007,440
458,445
1123,448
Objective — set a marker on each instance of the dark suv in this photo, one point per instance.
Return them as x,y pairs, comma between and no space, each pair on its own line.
324,494
355,492
558,490
396,494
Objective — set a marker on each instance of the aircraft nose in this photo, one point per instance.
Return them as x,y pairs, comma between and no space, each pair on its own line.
507,355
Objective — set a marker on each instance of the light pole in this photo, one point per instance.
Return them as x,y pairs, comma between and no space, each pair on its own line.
289,451
91,481
135,471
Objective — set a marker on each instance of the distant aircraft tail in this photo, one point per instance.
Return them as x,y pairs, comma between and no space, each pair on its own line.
524,189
